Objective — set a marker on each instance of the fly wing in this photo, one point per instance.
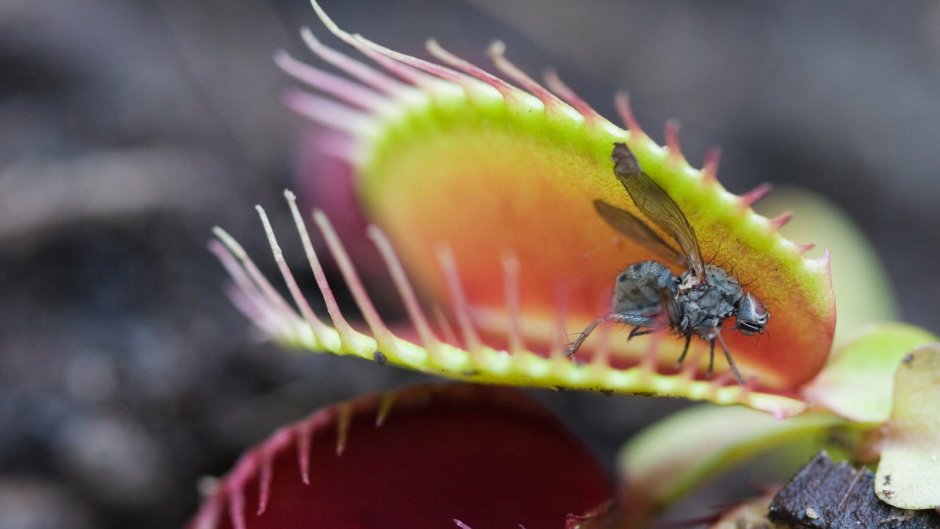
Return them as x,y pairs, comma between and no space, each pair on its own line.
630,225
658,207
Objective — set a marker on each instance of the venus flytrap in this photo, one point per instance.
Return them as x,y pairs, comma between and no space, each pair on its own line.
427,456
463,173
480,190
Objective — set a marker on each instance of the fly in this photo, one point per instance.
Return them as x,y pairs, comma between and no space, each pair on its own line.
698,301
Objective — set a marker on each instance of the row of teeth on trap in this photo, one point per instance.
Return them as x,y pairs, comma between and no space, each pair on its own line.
356,106
455,351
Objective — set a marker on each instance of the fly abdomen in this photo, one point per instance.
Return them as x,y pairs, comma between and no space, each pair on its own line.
638,289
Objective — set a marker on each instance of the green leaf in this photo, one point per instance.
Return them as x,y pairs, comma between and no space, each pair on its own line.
908,475
669,459
858,381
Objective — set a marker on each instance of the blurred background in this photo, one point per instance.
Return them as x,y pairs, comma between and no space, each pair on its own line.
128,128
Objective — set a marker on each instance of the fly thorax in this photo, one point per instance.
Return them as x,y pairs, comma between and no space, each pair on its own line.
705,306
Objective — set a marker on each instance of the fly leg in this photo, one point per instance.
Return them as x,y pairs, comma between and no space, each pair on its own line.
711,357
734,368
638,331
688,338
613,317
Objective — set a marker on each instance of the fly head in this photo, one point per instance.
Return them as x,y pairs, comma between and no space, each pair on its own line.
752,316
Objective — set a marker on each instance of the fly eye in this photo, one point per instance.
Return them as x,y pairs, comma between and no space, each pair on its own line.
751,316
749,328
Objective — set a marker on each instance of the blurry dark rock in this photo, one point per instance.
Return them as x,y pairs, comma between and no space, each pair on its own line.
32,504
104,186
90,377
114,460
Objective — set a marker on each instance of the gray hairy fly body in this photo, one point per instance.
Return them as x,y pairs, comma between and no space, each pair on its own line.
648,293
